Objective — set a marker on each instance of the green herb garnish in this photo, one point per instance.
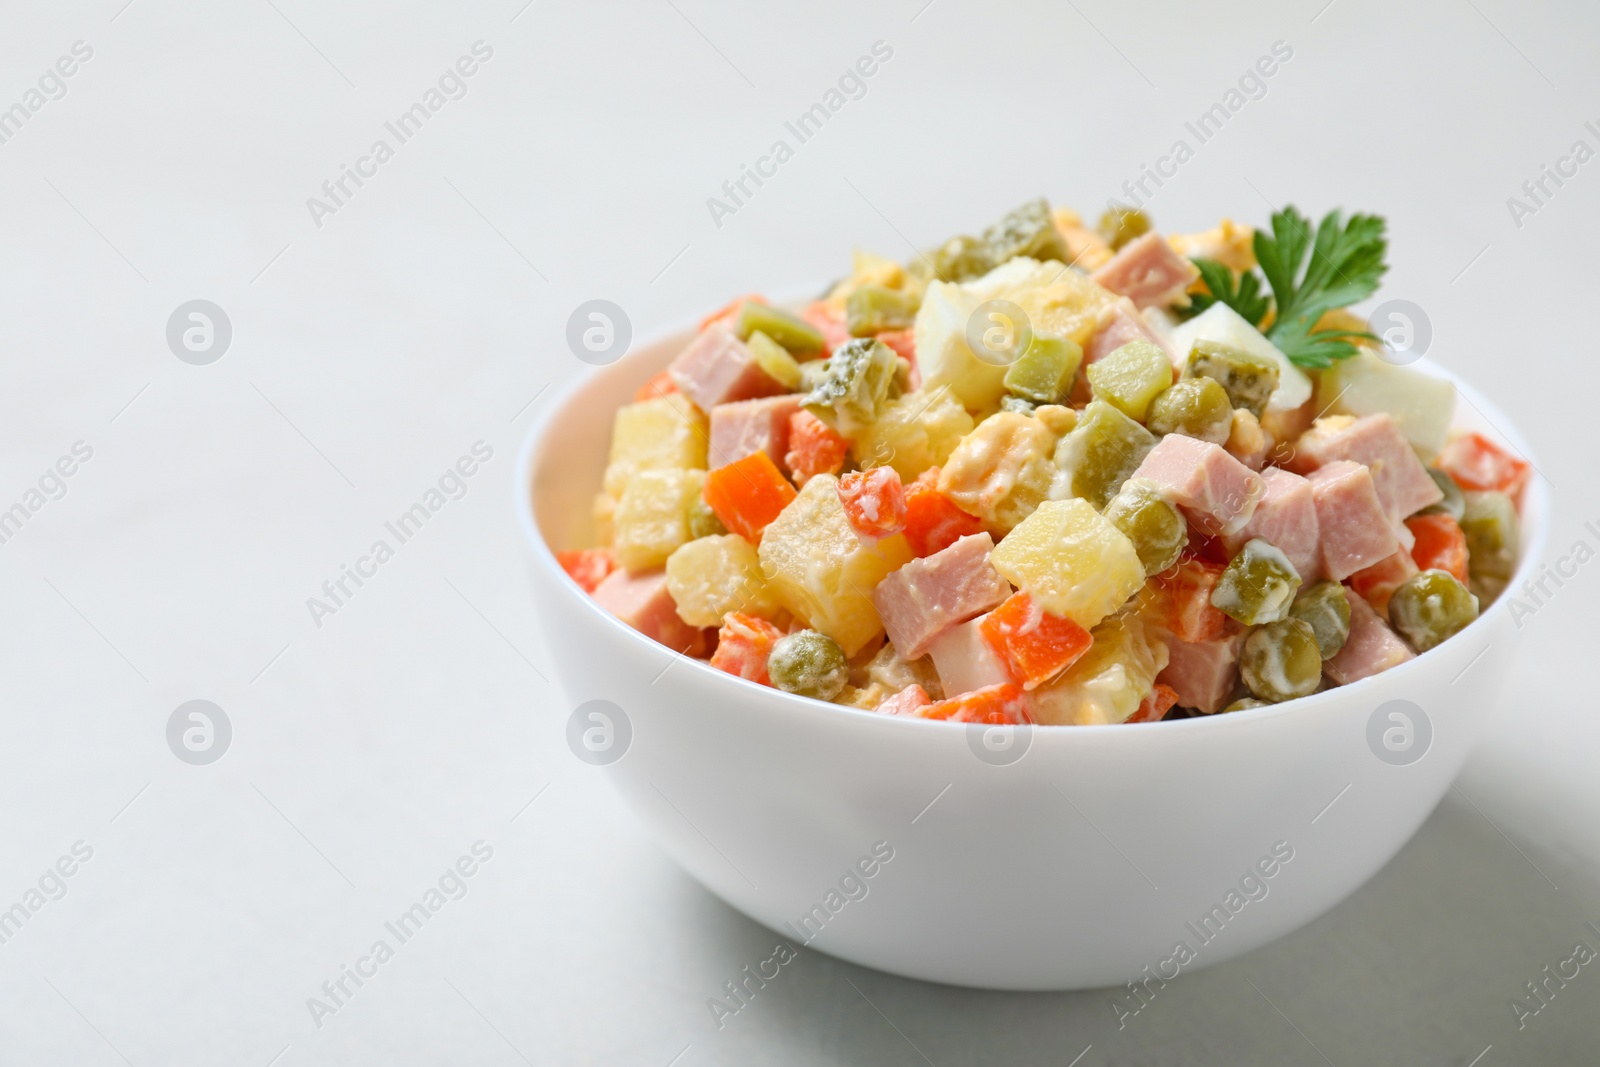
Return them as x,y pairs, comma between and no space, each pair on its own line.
1345,264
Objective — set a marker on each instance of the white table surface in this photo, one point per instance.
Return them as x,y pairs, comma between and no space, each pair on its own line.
372,351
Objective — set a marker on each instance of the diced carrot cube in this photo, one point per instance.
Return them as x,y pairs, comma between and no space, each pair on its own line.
1376,583
1477,463
996,705
903,342
874,501
1179,599
933,522
1034,645
909,701
1440,544
660,385
1156,704
730,311
743,645
748,494
588,566
814,447
830,321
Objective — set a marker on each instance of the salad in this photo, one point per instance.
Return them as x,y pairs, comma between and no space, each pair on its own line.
1057,474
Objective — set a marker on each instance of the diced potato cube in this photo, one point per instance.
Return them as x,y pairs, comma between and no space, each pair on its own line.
604,515
821,571
915,432
712,576
667,433
1422,406
1111,679
943,354
1002,470
652,518
1072,560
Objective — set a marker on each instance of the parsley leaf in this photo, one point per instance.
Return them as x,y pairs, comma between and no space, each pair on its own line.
1246,298
1345,266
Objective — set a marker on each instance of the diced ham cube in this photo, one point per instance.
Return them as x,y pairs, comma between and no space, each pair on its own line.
1203,673
1371,647
1351,519
1119,324
905,702
1286,518
1215,491
1401,480
928,596
717,368
1148,272
642,601
747,426
966,662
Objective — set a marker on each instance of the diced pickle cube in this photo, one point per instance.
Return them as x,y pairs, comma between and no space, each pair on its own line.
1027,231
1071,560
786,328
959,259
808,663
1101,452
1430,607
1151,521
1193,407
862,377
711,576
1002,470
1120,225
652,518
1044,372
1130,377
1258,586
1489,520
1454,503
822,571
774,359
1323,607
1281,661
1248,379
914,433
873,309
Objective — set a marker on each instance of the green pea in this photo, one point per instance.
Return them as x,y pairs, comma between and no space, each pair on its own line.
1489,521
1430,607
1193,407
703,522
808,663
1454,503
1281,661
1027,231
1044,372
862,376
1245,703
1249,380
1148,519
1122,224
1101,452
789,330
873,308
1258,585
1324,608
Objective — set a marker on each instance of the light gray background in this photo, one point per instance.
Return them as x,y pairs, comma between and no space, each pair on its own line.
369,353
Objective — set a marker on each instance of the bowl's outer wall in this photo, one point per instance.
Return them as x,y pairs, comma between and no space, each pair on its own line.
1079,865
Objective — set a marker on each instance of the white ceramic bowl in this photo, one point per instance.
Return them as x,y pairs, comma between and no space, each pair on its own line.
1085,862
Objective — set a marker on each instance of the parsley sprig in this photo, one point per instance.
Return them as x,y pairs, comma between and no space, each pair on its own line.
1344,267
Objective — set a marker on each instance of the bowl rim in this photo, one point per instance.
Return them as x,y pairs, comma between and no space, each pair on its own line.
1535,516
